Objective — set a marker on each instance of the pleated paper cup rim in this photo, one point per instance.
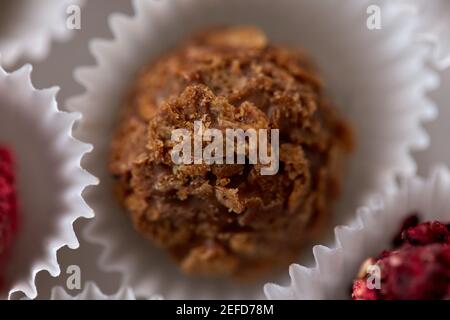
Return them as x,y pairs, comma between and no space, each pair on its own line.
371,232
381,82
91,291
34,42
50,178
433,27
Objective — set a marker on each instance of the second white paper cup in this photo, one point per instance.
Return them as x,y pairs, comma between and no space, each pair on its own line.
49,177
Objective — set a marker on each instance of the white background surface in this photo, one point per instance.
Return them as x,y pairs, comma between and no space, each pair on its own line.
57,70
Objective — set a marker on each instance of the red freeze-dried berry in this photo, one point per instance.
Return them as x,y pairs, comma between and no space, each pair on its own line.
8,206
418,269
427,233
362,292
409,222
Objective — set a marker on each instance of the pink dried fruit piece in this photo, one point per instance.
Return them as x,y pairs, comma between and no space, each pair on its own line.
417,269
9,217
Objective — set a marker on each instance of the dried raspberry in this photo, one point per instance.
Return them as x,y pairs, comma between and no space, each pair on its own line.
415,273
409,222
419,269
8,205
362,292
426,233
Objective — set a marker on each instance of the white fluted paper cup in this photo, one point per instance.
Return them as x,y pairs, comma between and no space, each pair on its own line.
433,27
50,179
92,292
371,232
28,27
378,79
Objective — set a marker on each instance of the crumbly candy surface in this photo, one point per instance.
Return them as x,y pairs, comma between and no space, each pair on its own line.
8,207
229,220
417,269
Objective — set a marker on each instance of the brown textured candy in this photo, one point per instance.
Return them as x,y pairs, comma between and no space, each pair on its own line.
219,219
